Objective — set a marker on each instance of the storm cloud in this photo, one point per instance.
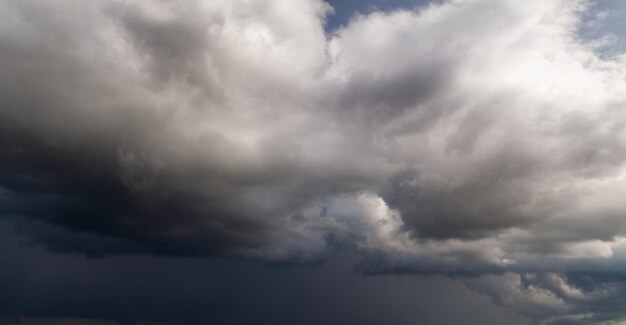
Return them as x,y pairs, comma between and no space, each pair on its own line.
481,139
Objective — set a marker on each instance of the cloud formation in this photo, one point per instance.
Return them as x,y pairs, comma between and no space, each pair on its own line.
466,137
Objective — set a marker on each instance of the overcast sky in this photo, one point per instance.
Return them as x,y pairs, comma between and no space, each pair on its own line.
305,162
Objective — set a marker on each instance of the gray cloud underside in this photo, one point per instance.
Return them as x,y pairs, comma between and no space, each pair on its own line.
467,137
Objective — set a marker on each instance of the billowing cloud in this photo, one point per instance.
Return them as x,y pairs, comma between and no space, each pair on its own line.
551,298
464,137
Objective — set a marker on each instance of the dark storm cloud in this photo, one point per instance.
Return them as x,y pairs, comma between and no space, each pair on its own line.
45,288
463,137
79,111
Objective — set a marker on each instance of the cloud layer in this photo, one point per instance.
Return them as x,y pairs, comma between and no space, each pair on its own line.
467,137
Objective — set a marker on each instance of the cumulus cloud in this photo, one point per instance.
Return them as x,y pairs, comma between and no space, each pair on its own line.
468,136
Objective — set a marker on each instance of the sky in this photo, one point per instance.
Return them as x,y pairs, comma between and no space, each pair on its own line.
311,162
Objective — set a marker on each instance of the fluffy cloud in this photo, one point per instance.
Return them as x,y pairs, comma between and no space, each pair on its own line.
469,136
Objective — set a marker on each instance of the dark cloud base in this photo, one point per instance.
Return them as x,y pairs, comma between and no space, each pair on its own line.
143,289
